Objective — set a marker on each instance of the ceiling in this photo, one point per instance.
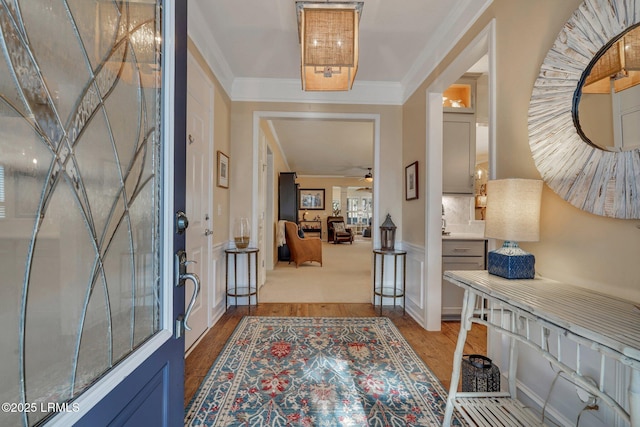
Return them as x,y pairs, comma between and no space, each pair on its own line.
326,147
252,47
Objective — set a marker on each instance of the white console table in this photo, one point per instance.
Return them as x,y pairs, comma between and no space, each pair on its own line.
607,325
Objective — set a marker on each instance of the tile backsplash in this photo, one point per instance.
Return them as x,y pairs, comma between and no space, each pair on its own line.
459,212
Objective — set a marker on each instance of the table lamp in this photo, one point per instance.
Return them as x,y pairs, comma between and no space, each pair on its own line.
513,215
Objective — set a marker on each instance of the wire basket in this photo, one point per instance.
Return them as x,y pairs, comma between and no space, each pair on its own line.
479,374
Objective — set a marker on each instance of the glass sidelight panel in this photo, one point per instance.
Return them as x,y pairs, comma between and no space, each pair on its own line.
80,103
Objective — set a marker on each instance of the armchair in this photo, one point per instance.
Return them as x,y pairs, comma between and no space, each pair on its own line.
337,232
302,249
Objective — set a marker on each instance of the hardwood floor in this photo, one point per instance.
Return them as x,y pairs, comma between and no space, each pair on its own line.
434,348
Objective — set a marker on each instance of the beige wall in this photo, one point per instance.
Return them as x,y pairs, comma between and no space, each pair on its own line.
575,246
221,142
596,118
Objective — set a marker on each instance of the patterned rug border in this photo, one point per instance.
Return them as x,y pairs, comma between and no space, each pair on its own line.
380,321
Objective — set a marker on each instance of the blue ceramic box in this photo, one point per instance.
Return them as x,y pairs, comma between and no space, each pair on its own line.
511,266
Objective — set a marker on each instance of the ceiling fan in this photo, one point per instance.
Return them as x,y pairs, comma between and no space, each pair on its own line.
368,177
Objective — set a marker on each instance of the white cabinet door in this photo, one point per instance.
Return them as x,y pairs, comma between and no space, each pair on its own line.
458,152
459,255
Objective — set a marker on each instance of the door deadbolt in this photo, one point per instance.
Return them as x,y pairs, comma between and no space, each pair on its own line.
182,222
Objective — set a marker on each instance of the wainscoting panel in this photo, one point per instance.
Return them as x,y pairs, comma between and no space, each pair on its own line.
415,298
217,293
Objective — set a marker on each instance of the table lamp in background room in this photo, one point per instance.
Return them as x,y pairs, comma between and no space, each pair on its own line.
513,215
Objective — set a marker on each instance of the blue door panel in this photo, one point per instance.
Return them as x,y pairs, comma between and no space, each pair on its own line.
147,397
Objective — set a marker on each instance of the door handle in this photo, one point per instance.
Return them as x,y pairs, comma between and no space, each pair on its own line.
181,276
208,232
196,291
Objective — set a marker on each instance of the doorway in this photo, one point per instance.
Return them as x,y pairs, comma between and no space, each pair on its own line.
483,44
277,163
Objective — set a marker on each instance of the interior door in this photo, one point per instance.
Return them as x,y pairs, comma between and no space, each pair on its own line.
199,193
91,141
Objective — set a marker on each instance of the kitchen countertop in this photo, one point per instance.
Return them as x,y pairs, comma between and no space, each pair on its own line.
463,236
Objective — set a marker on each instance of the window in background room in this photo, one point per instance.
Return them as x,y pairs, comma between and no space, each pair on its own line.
336,208
359,209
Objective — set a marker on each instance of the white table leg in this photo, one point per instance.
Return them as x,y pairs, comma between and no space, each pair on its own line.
468,305
513,357
634,398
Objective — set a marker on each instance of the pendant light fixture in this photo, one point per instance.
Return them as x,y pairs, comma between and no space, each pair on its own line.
328,35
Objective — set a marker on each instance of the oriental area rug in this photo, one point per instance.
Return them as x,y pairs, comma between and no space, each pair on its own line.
302,371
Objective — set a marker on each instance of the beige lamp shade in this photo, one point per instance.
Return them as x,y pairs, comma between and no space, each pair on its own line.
513,209
329,45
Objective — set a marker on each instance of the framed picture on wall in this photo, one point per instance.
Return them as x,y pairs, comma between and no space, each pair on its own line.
223,170
311,198
411,181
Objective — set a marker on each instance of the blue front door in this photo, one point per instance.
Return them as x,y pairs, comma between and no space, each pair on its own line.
92,168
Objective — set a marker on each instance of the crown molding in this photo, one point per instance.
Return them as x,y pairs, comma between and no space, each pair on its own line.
437,48
198,32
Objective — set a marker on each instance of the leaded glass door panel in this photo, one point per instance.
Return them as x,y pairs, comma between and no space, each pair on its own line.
86,225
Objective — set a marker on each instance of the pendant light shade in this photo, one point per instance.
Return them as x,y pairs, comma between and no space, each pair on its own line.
328,44
617,66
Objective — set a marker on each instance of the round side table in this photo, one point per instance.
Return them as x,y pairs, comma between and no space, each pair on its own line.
240,290
379,289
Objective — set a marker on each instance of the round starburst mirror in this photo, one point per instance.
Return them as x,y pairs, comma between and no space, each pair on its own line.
565,134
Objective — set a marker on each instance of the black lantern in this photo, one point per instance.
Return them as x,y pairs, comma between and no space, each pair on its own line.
388,234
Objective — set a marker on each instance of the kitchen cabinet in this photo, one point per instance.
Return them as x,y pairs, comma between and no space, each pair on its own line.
458,153
459,255
460,97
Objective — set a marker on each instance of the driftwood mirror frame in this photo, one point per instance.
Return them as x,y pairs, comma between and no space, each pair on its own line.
599,181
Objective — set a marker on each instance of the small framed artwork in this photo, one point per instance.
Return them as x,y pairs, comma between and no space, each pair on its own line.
311,198
411,181
223,170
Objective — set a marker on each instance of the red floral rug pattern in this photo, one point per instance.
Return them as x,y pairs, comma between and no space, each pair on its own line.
293,371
